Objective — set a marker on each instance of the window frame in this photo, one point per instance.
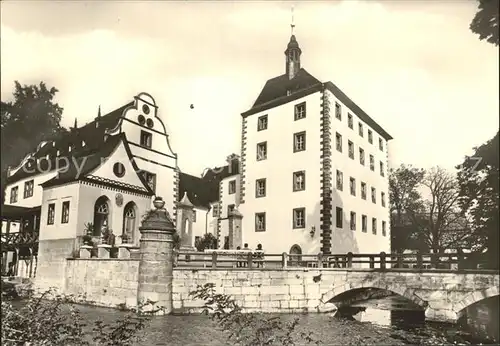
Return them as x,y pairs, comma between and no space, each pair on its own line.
31,184
294,219
295,175
338,111
257,182
338,142
51,217
259,145
339,217
149,139
295,137
260,121
231,189
65,208
296,111
352,186
14,196
352,221
263,215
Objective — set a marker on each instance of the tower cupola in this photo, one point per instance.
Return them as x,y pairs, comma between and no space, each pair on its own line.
292,54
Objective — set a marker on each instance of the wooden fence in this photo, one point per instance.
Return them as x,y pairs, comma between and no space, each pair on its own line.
257,260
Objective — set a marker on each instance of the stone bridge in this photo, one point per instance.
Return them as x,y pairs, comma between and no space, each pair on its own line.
442,294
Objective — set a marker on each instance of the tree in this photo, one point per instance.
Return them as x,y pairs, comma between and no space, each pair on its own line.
209,241
479,196
31,117
404,197
435,222
440,221
485,22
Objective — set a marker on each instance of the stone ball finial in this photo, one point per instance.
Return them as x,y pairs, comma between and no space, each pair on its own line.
159,203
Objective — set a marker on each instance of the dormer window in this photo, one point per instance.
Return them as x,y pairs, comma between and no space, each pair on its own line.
146,139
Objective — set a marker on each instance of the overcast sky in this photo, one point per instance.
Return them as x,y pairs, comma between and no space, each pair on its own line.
414,66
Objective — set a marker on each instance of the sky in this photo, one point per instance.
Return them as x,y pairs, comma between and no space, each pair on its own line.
413,66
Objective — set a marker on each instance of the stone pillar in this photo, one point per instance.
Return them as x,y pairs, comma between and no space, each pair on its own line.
156,260
235,231
185,216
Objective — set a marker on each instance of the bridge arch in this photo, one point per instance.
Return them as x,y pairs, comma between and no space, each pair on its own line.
407,293
473,298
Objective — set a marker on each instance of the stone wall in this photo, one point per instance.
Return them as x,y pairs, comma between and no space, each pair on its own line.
50,270
103,282
263,291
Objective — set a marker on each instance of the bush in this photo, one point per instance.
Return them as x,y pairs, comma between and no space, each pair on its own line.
38,321
248,329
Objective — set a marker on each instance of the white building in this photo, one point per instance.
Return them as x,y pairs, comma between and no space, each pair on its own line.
312,176
314,168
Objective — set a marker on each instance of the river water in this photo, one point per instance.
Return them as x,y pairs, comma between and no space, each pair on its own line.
386,321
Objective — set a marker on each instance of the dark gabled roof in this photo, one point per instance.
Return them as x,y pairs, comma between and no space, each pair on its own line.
277,87
205,190
91,134
274,94
80,167
199,192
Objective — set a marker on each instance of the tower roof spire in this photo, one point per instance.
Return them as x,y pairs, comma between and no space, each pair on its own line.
292,25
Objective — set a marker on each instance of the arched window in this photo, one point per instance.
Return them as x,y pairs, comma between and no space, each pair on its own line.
129,217
101,215
295,250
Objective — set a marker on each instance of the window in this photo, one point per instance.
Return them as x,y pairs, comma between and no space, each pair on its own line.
372,163
384,231
382,173
360,129
101,214
338,218
381,144
230,209
146,138
338,111
361,156
350,121
382,199
129,222
119,169
288,92
299,218
260,222
261,151
150,179
374,225
352,183
363,223
51,214
232,187
299,141
262,123
338,139
194,215
215,210
65,212
353,221
28,189
374,195
363,190
260,188
370,136
13,194
300,111
340,180
350,147
299,181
